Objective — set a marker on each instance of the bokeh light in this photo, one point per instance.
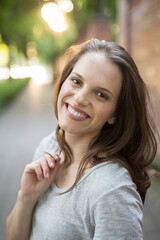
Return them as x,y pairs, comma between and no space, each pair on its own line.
4,54
115,29
54,17
4,73
65,5
39,74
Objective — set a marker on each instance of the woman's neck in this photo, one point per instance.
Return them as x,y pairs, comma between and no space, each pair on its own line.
79,145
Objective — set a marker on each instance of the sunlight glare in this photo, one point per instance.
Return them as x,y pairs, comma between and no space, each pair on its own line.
54,17
4,73
65,5
38,73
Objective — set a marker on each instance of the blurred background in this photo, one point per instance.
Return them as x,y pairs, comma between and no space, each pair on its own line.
33,36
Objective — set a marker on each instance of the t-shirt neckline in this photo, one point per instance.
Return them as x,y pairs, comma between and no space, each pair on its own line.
61,190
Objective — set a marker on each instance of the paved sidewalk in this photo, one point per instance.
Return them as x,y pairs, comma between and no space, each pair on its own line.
22,125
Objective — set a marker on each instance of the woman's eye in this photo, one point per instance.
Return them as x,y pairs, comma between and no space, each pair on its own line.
102,95
76,81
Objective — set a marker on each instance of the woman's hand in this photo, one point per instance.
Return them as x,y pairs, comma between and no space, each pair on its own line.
38,176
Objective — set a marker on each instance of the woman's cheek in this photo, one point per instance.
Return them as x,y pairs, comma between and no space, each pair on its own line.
105,113
66,89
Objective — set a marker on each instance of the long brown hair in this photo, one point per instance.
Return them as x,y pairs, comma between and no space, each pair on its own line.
130,141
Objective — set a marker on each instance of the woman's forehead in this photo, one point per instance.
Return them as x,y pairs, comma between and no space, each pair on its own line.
95,64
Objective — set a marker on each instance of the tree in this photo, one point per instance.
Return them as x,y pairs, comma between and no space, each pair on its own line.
22,26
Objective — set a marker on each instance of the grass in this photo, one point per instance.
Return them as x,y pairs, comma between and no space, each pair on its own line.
9,89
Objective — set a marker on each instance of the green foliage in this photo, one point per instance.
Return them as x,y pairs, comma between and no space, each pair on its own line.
10,88
16,21
21,23
51,43
84,10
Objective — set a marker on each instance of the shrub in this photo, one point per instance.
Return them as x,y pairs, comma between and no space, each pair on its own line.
10,88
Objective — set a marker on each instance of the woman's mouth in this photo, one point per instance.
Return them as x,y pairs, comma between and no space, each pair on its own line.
75,113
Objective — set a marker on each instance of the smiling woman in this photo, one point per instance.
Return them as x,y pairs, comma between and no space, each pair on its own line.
92,180
91,93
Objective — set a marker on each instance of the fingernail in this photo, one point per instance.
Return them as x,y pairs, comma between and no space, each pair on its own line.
40,179
52,164
56,157
47,175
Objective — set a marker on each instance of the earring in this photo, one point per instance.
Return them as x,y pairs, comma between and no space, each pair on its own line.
61,132
112,120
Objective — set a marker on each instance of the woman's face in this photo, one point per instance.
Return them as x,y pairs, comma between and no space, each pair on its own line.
88,97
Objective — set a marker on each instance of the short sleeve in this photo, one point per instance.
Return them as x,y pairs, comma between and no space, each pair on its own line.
118,215
48,144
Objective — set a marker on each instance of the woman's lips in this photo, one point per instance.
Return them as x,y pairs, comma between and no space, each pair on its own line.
75,113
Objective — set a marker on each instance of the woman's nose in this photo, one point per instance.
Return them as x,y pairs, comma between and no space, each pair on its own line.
81,98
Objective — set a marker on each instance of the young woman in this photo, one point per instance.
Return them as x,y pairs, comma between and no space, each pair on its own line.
89,179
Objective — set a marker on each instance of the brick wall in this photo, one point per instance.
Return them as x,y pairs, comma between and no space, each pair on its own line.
139,22
98,27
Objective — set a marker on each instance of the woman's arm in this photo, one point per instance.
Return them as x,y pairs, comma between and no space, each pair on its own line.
20,219
36,179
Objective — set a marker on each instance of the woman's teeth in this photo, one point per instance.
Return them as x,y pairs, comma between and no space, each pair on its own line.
77,114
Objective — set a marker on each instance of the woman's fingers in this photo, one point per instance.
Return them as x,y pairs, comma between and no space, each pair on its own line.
38,171
43,166
51,158
38,175
34,168
47,163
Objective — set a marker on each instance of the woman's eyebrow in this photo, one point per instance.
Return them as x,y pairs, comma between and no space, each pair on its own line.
78,75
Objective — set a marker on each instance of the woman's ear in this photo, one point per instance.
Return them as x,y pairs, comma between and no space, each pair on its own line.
112,120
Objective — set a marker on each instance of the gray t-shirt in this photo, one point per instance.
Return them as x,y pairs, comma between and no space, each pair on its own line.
104,205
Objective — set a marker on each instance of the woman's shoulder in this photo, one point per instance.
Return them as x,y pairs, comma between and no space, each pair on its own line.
115,204
111,172
111,177
47,144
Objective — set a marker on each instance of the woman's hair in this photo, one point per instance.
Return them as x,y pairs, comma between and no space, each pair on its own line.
130,141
